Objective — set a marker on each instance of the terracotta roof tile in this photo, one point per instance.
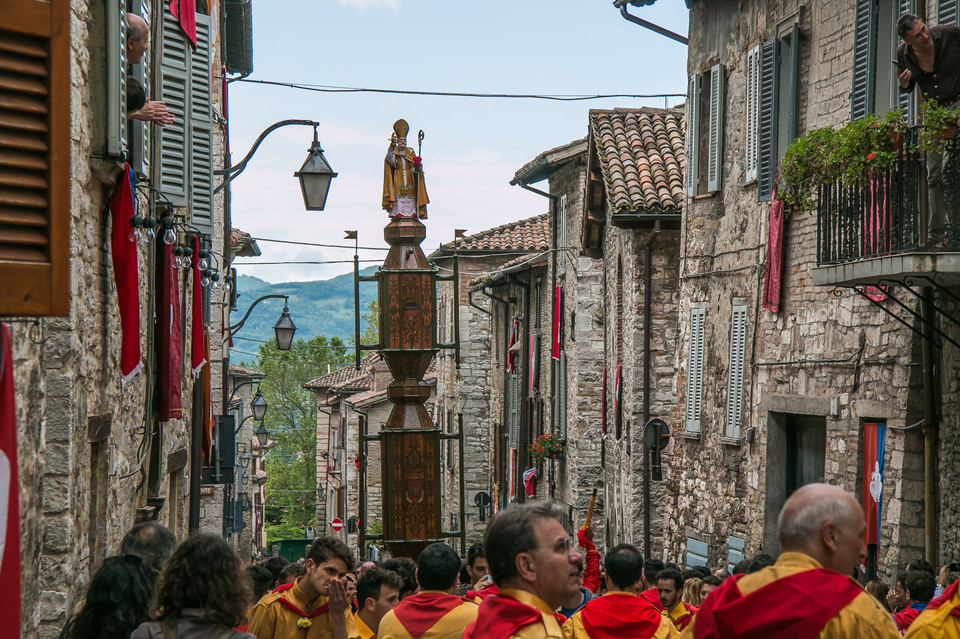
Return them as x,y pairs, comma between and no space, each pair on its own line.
531,234
346,378
641,155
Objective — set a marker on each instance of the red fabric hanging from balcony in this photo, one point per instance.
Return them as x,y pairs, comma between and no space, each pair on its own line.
773,270
123,248
9,491
185,11
170,332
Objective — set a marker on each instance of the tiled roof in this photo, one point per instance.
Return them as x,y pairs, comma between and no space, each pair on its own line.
538,259
542,166
641,155
531,234
346,378
236,370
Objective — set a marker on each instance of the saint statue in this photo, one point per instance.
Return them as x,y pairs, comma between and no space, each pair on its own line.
404,191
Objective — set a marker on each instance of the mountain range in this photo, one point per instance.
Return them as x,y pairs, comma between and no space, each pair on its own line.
322,307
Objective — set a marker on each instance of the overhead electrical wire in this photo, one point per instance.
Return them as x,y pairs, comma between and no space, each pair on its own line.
345,246
322,88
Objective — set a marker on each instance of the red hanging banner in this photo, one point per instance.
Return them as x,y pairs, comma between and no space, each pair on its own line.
9,495
170,333
123,248
185,11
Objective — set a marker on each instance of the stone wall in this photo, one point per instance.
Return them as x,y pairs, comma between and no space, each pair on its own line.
806,360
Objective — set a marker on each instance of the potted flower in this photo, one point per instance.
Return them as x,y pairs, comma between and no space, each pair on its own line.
546,446
939,124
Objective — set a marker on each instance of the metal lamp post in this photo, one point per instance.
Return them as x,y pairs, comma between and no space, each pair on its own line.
283,329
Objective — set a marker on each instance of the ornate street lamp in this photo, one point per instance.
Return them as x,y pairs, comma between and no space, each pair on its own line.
315,177
284,329
263,435
259,406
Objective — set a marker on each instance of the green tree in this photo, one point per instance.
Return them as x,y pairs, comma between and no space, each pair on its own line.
370,321
291,418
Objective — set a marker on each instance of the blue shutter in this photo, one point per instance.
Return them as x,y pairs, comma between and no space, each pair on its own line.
693,135
201,131
735,375
715,130
139,132
907,101
174,90
864,58
767,119
698,323
116,69
752,113
947,12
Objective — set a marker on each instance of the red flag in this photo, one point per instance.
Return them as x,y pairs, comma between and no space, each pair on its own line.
9,495
125,271
197,357
186,12
557,323
170,332
618,402
511,352
603,402
534,364
528,486
773,269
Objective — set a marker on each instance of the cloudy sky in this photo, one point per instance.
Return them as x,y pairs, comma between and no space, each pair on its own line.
472,146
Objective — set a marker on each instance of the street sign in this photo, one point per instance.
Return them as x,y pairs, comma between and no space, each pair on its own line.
656,435
310,533
336,524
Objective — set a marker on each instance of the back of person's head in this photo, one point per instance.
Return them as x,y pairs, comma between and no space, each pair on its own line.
690,573
816,512
204,572
136,97
326,548
922,565
290,573
262,580
275,565
702,571
464,574
372,580
711,580
691,591
650,569
878,590
474,552
760,562
151,540
118,599
951,573
511,532
742,567
672,574
920,585
623,566
406,568
438,567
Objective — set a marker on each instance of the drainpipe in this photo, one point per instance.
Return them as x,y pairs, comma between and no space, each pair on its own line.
470,302
647,300
929,428
648,25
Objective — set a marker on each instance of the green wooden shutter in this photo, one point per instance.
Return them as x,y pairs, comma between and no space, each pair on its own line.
947,12
695,359
908,101
201,131
715,130
693,135
115,13
768,116
864,58
750,126
174,90
735,375
138,137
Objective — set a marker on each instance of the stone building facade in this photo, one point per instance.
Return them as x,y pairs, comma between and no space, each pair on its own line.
778,393
94,456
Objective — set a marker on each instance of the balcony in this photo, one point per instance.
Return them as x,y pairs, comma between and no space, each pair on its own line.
872,232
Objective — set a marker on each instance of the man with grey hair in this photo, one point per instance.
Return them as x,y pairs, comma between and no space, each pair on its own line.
534,562
138,41
807,592
151,541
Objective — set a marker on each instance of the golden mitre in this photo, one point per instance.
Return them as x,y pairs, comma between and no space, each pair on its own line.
401,128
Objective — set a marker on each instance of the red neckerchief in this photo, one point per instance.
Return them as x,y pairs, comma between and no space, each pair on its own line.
477,596
684,620
316,612
772,610
609,616
652,595
418,613
944,599
503,616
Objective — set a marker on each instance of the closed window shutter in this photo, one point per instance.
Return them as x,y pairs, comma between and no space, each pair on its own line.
116,63
201,131
864,58
767,118
947,12
563,394
715,131
35,158
139,132
695,369
512,409
752,112
562,267
738,346
174,90
693,134
908,101
793,93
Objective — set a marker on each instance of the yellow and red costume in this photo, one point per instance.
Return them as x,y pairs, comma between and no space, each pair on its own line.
363,629
286,613
618,614
682,614
429,614
796,598
515,614
941,619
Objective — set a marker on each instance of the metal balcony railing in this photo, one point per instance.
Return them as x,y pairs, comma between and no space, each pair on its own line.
878,215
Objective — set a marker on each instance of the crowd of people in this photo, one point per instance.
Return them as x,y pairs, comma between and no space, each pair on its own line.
527,579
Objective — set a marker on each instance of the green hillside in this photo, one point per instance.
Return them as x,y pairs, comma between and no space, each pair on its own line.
323,307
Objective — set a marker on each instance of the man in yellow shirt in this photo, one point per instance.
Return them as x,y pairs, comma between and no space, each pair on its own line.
378,592
433,612
941,619
620,612
534,563
806,593
670,589
315,606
